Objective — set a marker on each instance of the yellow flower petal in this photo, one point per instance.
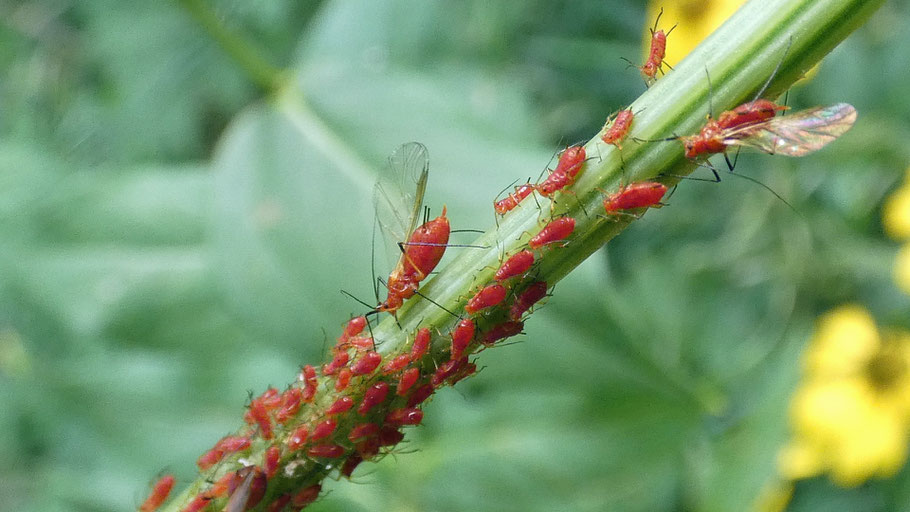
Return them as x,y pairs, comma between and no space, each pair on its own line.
896,214
823,413
845,340
800,459
902,268
876,448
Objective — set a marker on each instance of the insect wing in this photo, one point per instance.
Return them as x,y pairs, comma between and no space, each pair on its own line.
398,196
797,134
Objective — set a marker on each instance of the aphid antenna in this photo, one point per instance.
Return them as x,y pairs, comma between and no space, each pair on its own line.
372,264
657,21
437,304
629,63
467,231
350,295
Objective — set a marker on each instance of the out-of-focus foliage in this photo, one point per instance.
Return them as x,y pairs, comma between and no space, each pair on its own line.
172,240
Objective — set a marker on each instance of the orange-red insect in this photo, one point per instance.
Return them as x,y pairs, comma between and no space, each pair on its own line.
246,490
290,404
421,344
407,380
396,364
343,379
502,331
199,502
462,336
555,231
486,298
306,496
279,503
310,383
323,429
341,405
637,195
325,451
363,431
567,169
420,395
421,248
506,205
261,416
159,494
656,52
271,460
619,129
530,296
298,438
366,364
446,370
375,395
406,416
517,264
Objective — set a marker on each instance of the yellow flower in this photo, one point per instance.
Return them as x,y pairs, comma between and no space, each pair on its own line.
850,415
896,213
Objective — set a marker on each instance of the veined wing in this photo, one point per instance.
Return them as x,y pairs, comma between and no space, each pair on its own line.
797,134
398,195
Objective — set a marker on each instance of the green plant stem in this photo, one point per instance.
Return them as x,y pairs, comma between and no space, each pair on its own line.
266,76
740,57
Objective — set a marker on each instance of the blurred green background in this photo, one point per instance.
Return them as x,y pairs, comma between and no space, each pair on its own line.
171,240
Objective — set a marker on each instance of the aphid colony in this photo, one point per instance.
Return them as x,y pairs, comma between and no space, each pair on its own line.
354,407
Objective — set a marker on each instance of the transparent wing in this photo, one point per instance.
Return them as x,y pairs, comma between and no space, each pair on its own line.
797,134
398,196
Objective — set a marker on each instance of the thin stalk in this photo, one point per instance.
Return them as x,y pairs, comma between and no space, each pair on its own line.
740,56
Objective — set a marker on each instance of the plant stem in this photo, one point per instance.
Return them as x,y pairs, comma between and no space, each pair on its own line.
739,57
266,76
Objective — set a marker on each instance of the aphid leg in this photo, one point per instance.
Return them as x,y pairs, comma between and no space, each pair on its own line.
417,292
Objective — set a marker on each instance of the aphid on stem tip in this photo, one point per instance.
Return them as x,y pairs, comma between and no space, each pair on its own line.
557,230
339,361
530,296
517,264
656,53
261,417
488,297
249,489
270,398
290,405
159,494
396,364
306,496
408,378
310,383
421,247
619,129
375,395
644,194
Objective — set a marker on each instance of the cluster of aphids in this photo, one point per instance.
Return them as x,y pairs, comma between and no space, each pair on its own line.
353,409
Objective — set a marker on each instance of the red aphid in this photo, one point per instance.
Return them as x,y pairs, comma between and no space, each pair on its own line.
325,451
199,502
347,469
323,429
368,448
557,230
339,361
407,380
310,383
279,503
517,264
223,485
566,171
209,458
656,53
749,113
465,371
231,444
366,364
247,489
462,336
488,297
528,298
341,405
375,395
446,370
390,436
637,195
363,431
362,342
620,127
355,326
396,364
343,379
420,395
291,404
406,416
261,415
421,344
506,205
271,460
306,496
420,256
160,491
502,331
297,439
270,398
